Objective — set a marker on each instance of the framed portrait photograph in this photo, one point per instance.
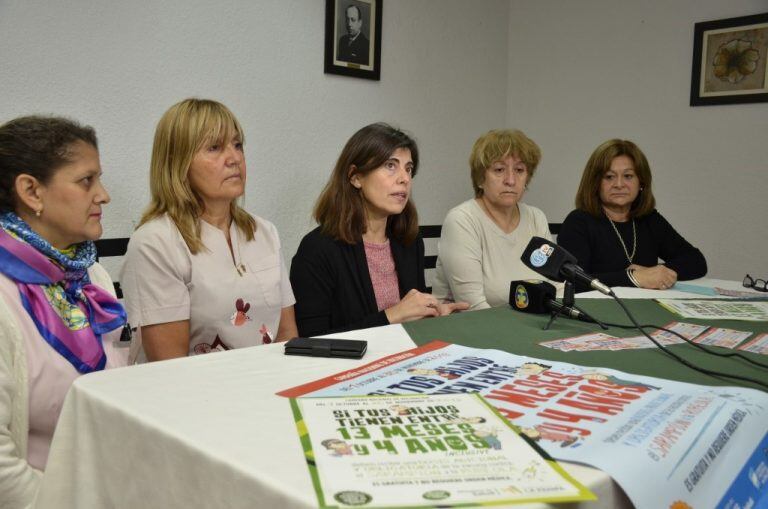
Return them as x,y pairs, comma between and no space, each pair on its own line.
353,38
730,61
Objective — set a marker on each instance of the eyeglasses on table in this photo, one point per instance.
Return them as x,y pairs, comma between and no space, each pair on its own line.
756,284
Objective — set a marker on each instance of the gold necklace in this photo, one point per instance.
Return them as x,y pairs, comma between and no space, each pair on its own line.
624,246
239,267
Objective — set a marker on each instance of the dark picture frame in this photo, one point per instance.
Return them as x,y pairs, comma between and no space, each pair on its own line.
730,61
351,27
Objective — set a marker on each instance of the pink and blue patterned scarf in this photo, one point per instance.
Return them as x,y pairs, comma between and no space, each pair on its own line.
69,311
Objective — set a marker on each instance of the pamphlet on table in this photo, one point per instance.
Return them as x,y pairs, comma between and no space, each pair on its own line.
718,309
739,294
701,334
696,445
757,345
423,451
716,291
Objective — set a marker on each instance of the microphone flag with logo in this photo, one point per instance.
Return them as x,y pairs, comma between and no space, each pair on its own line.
554,262
531,296
538,297
547,258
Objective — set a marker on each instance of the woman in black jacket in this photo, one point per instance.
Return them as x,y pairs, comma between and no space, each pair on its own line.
364,265
616,233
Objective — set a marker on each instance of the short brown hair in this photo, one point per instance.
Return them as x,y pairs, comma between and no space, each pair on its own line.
180,133
36,146
588,195
498,144
340,209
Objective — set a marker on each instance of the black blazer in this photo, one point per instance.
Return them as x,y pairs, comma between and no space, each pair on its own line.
333,288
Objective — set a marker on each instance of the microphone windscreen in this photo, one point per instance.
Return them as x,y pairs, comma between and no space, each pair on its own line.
531,296
546,258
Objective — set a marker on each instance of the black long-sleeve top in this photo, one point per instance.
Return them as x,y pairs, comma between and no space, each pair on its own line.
333,288
594,243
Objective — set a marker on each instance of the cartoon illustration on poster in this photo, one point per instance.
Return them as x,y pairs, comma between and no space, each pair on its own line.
697,445
411,451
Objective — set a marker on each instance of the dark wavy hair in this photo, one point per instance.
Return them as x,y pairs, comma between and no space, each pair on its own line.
340,210
36,146
588,195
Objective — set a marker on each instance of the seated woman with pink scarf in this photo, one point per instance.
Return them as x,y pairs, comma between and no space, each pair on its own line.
59,318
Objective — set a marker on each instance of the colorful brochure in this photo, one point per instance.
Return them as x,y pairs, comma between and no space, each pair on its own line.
601,341
687,330
727,338
757,345
423,451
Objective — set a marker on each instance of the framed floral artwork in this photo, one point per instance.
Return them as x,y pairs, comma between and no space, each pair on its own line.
353,38
730,61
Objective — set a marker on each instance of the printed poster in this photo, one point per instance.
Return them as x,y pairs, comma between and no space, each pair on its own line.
697,446
422,451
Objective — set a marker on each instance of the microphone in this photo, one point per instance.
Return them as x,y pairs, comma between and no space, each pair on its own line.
554,262
538,297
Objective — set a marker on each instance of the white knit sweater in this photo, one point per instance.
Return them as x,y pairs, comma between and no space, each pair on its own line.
18,480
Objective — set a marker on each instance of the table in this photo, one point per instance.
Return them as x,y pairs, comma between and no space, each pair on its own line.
206,431
520,333
674,293
209,431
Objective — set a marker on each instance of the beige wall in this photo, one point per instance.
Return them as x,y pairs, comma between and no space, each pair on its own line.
118,65
583,72
570,74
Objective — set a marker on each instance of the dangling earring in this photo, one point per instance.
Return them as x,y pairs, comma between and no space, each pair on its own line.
38,212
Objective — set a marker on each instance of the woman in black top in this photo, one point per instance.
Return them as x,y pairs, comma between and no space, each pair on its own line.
616,233
364,265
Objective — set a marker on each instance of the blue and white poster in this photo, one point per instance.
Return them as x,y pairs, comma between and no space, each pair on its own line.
668,444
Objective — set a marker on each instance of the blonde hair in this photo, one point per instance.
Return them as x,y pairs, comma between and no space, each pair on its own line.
181,132
498,144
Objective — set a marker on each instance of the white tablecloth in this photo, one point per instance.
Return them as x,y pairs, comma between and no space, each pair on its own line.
673,293
208,432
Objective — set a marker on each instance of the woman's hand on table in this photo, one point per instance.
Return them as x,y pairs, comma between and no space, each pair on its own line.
447,308
659,277
413,306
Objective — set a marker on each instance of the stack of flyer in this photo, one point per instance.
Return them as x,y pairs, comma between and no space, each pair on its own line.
702,334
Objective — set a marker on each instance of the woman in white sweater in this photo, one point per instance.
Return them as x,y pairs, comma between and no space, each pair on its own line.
483,238
59,318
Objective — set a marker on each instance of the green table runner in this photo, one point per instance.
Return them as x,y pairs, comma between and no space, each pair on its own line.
520,333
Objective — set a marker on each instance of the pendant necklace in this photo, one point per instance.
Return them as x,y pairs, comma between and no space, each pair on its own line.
624,246
239,267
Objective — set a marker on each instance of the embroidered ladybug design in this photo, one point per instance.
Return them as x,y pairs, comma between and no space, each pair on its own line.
240,316
217,346
266,337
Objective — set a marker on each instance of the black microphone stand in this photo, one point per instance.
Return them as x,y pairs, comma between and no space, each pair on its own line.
569,300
